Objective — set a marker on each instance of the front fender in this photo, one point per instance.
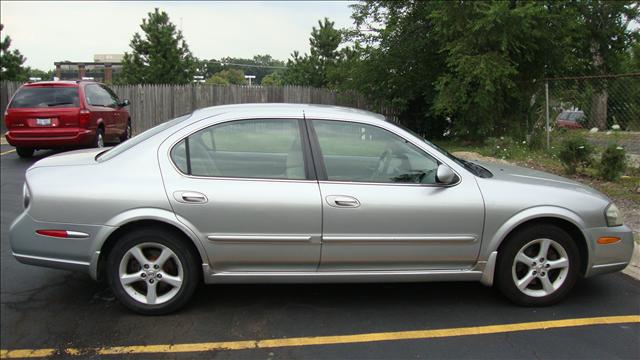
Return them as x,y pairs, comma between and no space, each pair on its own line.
129,216
532,213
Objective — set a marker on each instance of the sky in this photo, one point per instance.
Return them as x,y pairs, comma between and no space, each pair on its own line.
46,31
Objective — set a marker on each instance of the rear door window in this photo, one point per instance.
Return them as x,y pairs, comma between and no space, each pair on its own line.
267,149
46,97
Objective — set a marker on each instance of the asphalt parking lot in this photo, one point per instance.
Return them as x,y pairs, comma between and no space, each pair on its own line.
52,313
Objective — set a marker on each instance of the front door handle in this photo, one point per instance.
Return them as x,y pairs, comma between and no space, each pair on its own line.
190,197
342,201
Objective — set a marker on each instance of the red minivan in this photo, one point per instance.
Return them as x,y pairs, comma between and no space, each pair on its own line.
60,114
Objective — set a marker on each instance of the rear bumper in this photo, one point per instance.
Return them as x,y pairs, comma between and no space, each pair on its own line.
50,138
78,254
610,257
568,125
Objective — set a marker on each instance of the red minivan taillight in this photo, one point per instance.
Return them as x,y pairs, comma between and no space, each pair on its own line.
83,118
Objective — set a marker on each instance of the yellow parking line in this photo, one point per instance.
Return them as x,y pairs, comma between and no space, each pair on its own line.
322,340
7,152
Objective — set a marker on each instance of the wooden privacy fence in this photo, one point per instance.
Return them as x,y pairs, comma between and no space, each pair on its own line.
154,104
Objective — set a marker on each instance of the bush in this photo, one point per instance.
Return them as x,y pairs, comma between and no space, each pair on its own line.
613,163
575,152
505,147
537,139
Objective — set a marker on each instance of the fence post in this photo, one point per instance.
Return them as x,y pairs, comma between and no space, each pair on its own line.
548,129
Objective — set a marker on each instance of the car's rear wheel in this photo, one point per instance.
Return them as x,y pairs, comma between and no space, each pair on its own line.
98,142
24,152
152,272
538,265
127,132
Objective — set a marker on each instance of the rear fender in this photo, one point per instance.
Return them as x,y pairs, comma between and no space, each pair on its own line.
139,214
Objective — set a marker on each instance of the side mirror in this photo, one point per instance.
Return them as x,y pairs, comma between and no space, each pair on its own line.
124,103
444,175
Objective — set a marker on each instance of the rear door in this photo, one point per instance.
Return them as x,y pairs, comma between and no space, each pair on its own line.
247,190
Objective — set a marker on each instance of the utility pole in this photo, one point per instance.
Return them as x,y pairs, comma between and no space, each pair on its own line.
546,95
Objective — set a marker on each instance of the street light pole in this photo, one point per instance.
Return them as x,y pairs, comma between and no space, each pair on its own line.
249,77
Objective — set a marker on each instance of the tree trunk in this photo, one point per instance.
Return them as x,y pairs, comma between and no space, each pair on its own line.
599,103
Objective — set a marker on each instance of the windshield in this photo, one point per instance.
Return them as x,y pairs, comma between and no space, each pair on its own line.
122,147
44,97
472,167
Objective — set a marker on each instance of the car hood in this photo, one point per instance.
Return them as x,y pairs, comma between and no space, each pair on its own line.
526,176
76,157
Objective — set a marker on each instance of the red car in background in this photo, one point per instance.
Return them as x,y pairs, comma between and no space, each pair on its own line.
570,119
61,114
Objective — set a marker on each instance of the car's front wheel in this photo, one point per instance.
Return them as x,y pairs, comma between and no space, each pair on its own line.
538,265
98,141
127,132
152,272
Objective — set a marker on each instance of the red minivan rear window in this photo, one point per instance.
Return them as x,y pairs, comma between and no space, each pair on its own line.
45,97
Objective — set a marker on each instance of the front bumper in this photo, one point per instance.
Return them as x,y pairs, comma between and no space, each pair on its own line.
50,138
610,257
78,254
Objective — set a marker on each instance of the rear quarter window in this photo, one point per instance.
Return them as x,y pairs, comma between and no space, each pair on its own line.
46,97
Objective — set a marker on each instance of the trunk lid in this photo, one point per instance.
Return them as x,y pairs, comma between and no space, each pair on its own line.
77,157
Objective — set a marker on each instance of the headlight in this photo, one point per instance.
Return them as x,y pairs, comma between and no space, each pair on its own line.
26,196
613,216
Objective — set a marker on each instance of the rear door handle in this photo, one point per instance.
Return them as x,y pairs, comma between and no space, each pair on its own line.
190,197
342,201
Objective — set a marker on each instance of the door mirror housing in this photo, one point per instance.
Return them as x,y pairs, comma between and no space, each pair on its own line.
444,175
124,103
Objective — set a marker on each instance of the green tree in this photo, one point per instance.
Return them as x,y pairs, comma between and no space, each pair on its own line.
475,66
160,56
44,75
217,80
273,79
317,68
11,61
259,66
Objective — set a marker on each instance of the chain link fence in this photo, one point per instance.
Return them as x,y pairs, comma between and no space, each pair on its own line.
605,109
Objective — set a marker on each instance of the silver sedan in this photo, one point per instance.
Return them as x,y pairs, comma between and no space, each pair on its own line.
302,193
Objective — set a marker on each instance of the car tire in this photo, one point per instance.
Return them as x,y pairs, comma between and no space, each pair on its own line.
25,152
162,289
530,276
98,141
127,132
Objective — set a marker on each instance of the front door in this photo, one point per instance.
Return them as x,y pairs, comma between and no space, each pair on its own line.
382,207
245,188
101,105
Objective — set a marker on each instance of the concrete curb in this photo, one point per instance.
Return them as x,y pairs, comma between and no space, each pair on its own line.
633,269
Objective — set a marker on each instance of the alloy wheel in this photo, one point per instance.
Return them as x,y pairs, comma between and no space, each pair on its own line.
540,267
151,273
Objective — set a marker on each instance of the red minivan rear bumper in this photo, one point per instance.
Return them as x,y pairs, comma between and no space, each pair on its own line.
50,138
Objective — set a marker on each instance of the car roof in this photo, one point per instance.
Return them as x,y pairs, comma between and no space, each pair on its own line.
60,83
310,111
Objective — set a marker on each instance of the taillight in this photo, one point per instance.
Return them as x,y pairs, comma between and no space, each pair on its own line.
83,119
